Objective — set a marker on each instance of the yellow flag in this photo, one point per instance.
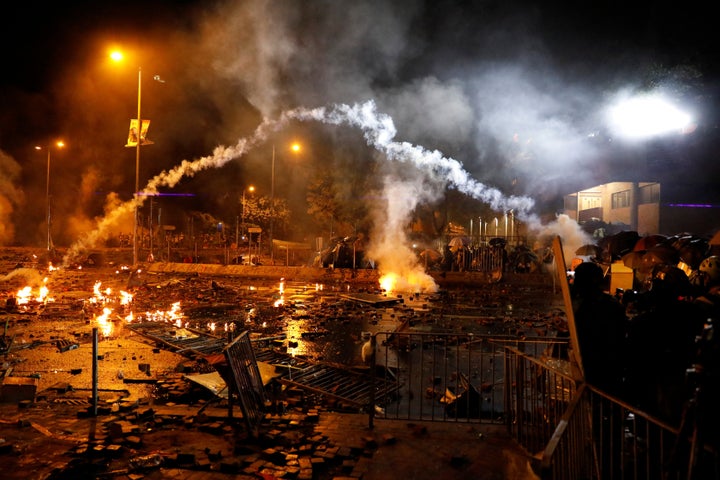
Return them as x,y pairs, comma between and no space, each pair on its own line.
132,133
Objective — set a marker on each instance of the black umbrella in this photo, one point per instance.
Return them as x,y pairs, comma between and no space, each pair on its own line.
589,250
634,260
497,242
622,243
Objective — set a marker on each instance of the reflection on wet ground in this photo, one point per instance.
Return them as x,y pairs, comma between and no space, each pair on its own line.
328,323
308,320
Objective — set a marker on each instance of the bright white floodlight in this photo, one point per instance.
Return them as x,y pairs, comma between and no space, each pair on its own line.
647,116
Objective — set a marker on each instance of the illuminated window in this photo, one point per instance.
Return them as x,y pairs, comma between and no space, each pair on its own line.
650,193
621,199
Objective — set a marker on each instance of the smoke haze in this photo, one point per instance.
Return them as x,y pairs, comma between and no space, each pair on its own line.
499,100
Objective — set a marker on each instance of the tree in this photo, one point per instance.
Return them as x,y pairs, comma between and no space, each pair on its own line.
322,204
259,210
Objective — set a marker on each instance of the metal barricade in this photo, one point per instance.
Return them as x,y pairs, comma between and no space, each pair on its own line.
245,381
580,432
446,376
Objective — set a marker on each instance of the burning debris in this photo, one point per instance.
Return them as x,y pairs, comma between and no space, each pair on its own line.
165,328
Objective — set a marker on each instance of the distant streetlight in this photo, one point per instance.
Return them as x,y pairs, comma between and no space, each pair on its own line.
295,147
136,139
58,144
248,189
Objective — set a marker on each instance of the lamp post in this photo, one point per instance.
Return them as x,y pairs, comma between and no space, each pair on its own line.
242,215
249,189
48,211
118,56
137,167
272,205
295,147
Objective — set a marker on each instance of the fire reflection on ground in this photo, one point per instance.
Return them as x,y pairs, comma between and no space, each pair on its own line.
304,319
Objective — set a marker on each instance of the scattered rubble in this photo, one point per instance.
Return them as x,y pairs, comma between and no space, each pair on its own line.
149,421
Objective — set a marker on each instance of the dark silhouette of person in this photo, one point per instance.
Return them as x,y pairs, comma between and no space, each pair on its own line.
601,326
662,341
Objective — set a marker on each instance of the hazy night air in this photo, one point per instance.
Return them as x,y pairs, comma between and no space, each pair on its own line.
507,101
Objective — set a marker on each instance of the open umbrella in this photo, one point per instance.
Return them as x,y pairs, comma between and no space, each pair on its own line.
589,249
497,242
649,241
456,243
633,260
693,253
715,240
660,255
430,255
622,243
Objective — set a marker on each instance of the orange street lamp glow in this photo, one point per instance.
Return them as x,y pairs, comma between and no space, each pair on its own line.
58,144
116,56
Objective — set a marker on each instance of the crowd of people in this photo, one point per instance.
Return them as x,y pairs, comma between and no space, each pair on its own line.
656,348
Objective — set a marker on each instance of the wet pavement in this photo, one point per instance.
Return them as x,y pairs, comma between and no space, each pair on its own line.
153,423
176,441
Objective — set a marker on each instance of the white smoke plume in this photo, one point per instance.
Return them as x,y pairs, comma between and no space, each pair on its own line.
389,245
379,131
570,232
30,276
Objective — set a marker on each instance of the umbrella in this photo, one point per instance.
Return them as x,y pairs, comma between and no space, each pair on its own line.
589,250
715,240
693,253
497,242
633,260
649,241
430,255
679,241
622,242
660,255
458,243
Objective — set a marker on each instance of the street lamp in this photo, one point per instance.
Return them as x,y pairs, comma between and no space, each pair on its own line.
242,216
139,139
137,167
58,144
295,148
249,189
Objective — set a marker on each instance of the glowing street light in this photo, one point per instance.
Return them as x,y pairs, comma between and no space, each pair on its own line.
248,189
242,216
58,144
295,147
138,140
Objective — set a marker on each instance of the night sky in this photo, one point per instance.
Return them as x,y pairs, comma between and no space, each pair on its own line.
514,91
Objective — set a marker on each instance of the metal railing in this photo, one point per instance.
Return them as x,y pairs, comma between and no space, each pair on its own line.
574,430
580,432
447,376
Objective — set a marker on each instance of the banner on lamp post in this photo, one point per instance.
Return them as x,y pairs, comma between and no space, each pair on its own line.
132,140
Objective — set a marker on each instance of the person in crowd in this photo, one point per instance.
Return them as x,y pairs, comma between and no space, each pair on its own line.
662,345
601,324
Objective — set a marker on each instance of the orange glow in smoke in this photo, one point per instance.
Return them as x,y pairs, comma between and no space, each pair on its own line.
388,282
